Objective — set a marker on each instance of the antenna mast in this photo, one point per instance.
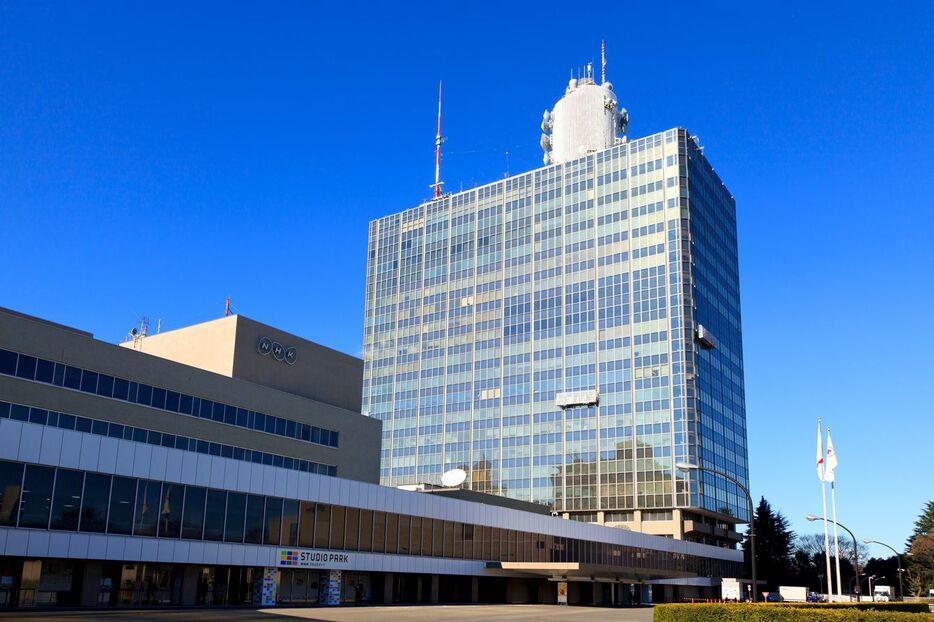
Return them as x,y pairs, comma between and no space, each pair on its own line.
438,140
602,61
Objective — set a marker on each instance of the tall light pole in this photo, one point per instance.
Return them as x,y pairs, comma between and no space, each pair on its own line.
813,517
898,559
687,466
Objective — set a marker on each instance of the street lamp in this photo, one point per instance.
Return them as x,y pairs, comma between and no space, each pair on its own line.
687,466
813,517
898,559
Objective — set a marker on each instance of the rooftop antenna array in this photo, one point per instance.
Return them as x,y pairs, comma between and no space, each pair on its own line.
438,140
602,61
136,335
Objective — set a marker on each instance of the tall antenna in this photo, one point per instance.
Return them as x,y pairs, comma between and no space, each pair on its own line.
227,307
438,140
602,61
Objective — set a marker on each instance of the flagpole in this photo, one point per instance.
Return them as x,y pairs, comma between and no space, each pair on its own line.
823,492
836,542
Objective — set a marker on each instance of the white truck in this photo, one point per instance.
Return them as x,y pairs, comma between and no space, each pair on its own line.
883,593
731,589
793,593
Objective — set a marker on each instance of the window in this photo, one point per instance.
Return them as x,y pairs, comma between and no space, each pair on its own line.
322,525
193,515
253,525
170,510
236,510
11,480
94,503
379,532
148,494
66,504
337,527
214,510
306,535
290,509
366,530
392,532
122,501
351,532
273,519
37,496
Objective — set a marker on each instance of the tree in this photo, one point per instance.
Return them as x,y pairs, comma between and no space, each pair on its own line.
924,525
921,564
811,569
774,545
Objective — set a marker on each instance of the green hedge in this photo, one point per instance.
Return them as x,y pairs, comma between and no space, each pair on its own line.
788,612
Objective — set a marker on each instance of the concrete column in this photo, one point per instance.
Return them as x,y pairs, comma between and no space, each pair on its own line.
678,520
387,588
596,589
474,590
435,589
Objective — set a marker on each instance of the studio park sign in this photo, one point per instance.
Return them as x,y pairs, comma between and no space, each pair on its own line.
303,558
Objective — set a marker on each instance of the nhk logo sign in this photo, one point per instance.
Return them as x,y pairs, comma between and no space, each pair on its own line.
297,558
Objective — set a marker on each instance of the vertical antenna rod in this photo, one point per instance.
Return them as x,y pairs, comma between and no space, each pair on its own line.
438,139
602,61
227,307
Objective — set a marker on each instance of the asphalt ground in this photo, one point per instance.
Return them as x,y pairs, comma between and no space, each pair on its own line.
427,613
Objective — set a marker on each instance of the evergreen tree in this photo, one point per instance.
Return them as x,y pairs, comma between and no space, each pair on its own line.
924,525
774,547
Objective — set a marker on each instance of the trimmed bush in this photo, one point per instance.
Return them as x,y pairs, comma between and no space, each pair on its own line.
787,612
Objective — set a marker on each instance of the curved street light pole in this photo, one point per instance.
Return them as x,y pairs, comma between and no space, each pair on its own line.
687,466
898,559
814,517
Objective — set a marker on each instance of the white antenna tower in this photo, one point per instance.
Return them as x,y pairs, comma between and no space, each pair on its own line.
137,334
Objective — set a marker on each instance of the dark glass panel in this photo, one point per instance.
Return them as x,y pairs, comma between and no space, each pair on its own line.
158,398
236,510
144,394
94,503
8,362
66,503
83,424
171,401
105,385
352,529
243,417
45,371
290,427
148,494
392,532
280,426
271,424
72,378
88,381
458,540
415,548
4,410
230,415
37,496
66,421
193,515
273,521
214,510
218,413
170,510
11,482
27,367
99,427
366,530
122,502
38,415
259,421
322,525
185,404
253,525
19,412
115,430
59,378
121,389
290,510
427,524
306,532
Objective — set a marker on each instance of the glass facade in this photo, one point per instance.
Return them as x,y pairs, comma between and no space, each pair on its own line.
484,308
142,507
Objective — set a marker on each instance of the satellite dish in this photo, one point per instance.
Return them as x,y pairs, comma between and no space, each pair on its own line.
454,477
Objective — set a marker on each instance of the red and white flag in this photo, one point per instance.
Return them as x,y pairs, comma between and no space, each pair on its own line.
820,454
831,461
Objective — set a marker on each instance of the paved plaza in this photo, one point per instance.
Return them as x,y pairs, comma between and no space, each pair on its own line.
438,613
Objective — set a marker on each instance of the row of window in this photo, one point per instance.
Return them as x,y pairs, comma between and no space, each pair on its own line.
61,375
63,499
163,439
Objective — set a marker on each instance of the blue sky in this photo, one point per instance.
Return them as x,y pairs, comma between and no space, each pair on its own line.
155,158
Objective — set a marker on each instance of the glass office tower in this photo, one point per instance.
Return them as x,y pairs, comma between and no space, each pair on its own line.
566,336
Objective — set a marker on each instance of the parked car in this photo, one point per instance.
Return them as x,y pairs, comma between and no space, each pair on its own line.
814,597
774,597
